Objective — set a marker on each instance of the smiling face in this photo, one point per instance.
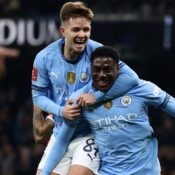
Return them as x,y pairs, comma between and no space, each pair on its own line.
76,32
104,72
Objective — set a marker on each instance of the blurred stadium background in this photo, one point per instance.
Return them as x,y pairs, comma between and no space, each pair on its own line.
143,31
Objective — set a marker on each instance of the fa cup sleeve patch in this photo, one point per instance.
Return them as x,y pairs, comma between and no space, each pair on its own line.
34,74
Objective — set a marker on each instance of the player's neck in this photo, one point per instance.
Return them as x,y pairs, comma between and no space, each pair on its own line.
70,54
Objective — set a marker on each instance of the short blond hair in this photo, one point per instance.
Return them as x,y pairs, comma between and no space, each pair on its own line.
75,9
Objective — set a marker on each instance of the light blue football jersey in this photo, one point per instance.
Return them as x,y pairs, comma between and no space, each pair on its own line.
122,131
54,78
61,77
58,78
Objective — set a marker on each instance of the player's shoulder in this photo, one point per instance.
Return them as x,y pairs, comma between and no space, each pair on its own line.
144,84
92,45
147,84
145,88
50,50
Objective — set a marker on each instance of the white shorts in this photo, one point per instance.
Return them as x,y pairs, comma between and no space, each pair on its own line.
81,151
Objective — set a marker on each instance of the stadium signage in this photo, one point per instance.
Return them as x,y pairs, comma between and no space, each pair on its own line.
28,31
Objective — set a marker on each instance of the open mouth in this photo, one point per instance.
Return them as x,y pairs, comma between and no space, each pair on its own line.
102,83
80,42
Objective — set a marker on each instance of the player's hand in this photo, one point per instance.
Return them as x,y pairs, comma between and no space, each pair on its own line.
71,112
86,100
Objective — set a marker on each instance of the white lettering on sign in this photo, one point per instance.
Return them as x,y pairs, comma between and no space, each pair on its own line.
29,31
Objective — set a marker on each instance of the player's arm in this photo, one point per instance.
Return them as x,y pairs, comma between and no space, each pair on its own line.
40,86
42,127
169,105
126,80
59,147
62,139
157,97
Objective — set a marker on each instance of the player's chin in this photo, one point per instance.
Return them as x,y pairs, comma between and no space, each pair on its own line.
80,50
80,47
102,87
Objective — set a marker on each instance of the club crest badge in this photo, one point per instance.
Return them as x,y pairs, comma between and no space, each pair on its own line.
84,77
126,100
108,105
70,77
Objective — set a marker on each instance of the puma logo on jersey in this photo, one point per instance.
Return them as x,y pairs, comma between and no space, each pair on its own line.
54,74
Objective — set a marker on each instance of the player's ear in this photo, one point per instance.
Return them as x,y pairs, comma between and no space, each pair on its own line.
61,30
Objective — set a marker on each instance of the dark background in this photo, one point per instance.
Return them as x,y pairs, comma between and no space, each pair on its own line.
136,28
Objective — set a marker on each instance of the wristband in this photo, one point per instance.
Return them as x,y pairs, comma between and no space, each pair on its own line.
50,117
